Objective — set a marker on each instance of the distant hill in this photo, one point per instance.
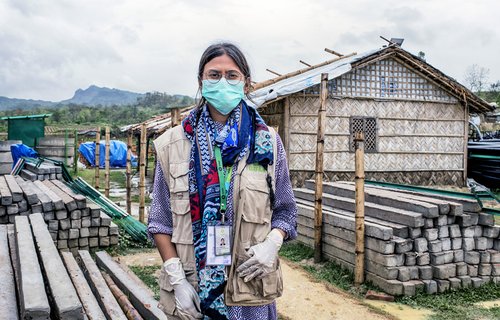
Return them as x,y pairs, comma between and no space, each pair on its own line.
93,96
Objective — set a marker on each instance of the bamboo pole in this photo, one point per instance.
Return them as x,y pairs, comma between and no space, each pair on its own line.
292,74
274,72
334,52
66,147
130,312
320,145
106,164
97,156
286,126
129,172
75,154
175,116
305,63
142,172
359,272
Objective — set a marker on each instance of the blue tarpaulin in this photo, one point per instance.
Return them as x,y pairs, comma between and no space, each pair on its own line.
21,150
117,153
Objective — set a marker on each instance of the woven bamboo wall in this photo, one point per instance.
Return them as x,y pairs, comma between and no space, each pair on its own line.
412,135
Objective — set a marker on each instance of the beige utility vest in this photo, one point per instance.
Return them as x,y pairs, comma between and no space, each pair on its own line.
251,219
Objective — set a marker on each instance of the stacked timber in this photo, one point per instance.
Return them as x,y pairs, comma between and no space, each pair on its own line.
413,241
41,282
74,222
43,171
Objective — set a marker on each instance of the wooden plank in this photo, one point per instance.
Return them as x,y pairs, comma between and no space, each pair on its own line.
8,305
89,301
64,297
140,298
359,271
106,300
142,172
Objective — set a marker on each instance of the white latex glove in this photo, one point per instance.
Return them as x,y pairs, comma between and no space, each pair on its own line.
187,300
262,257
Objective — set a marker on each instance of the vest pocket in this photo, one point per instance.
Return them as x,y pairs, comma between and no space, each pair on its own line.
182,226
270,286
179,180
256,211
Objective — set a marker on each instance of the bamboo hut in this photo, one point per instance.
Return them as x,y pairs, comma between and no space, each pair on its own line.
413,116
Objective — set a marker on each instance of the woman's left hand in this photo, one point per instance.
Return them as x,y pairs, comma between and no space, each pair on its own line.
262,257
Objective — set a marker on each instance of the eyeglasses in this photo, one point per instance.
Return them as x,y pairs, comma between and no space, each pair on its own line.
232,77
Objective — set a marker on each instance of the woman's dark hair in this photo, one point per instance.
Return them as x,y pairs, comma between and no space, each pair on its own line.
220,49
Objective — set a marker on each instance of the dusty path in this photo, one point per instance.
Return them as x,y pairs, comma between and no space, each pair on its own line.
305,298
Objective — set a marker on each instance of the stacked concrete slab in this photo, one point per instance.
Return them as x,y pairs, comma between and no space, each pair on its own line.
43,171
412,240
74,222
38,284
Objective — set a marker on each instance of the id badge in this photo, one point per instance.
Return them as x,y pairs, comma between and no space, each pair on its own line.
219,245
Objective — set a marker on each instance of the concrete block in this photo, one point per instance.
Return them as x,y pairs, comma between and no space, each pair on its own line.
461,269
76,224
410,258
53,225
8,307
103,231
53,234
65,299
496,245
430,286
85,212
113,229
484,269
93,232
494,256
485,219
84,232
50,215
12,209
458,256
444,271
495,269
83,242
431,234
64,224
425,272
446,244
472,270
95,210
404,274
86,222
438,258
441,221
466,281
105,298
34,301
409,289
484,257
403,245
62,244
467,219
491,232
472,257
63,235
104,241
443,232
451,219
454,231
468,244
95,222
393,287
93,242
468,232
456,243
435,246
428,223
420,245
478,231
486,279
75,215
61,214
443,285
113,240
74,234
476,282
455,284
423,259
73,243
481,243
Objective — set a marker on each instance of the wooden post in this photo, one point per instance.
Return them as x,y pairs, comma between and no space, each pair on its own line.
106,165
66,147
97,154
129,171
175,116
466,141
75,154
320,145
142,172
286,126
359,272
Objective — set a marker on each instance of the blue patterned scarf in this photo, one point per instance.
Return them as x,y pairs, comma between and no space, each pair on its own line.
244,130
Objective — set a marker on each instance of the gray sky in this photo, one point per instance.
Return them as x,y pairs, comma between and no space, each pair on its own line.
50,48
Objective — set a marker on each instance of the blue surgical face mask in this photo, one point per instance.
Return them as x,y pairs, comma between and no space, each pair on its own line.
223,96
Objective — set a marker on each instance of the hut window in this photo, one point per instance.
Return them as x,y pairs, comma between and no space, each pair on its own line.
369,127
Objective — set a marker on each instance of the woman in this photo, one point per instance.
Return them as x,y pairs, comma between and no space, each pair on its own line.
226,168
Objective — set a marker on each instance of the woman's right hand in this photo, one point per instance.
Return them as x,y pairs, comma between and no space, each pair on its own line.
187,300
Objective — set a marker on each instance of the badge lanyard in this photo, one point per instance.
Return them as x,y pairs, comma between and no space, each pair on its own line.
224,181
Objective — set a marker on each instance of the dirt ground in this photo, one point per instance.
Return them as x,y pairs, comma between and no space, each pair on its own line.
303,298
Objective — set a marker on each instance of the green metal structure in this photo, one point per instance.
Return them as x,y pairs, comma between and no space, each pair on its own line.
26,128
